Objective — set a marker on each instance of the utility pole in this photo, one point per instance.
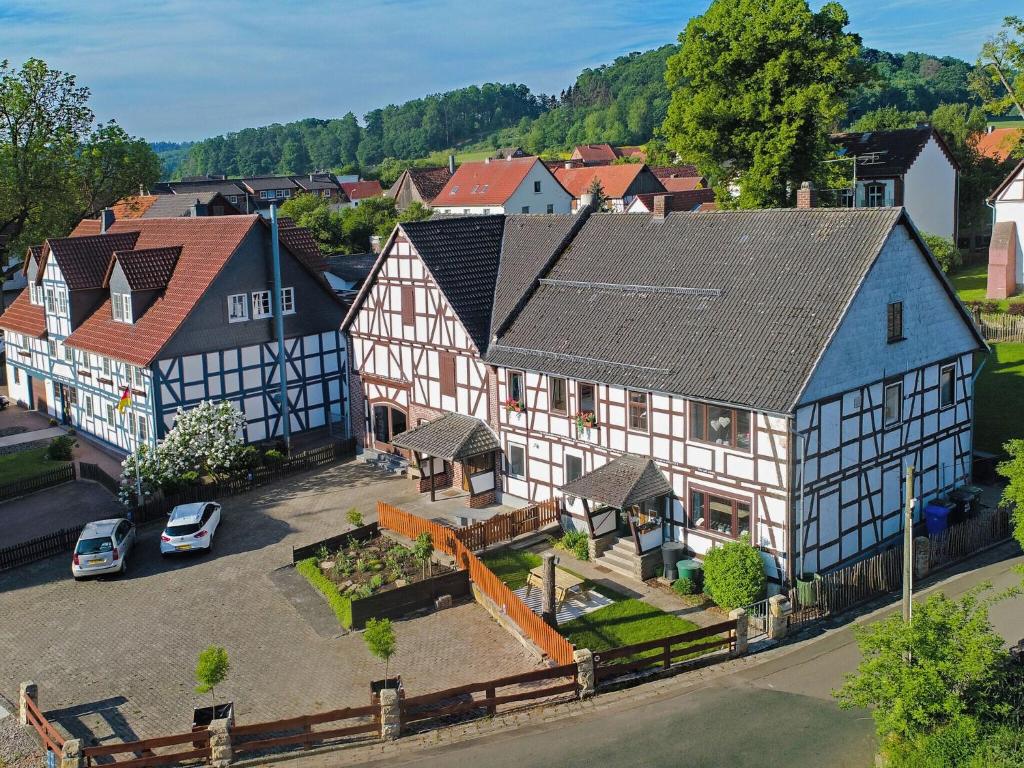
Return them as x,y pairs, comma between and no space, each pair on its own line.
908,545
282,371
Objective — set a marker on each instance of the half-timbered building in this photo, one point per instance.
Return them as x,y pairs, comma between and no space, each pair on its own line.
690,377
174,312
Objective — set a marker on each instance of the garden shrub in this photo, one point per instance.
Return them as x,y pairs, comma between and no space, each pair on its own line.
1016,308
60,448
189,478
684,586
340,604
734,574
575,542
273,457
944,250
990,306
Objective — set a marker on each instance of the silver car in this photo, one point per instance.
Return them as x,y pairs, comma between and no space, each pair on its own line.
103,547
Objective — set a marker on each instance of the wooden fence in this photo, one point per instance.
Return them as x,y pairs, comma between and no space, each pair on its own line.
50,736
197,741
668,651
96,473
47,545
431,708
298,731
56,476
547,639
502,528
1000,326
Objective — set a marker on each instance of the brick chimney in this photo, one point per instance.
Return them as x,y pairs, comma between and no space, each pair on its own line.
662,204
807,196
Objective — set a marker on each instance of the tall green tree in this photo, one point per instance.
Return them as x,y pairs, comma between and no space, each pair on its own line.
756,89
999,75
1013,494
56,164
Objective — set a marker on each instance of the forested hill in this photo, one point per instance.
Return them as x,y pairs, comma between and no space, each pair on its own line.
620,103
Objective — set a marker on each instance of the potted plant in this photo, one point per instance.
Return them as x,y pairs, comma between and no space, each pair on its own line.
380,640
211,670
585,420
513,406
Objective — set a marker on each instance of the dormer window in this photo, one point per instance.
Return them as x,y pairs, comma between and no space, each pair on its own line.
121,307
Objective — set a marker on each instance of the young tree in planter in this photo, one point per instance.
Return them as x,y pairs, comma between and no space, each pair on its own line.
423,549
211,669
380,640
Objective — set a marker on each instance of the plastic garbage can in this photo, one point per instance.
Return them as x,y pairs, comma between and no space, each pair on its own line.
936,515
671,553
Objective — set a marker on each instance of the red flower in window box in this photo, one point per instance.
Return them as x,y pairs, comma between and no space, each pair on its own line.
585,420
513,406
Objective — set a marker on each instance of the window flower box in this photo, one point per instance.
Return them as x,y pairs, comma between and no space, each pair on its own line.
585,420
513,406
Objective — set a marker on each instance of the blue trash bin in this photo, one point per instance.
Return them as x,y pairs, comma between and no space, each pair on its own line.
936,515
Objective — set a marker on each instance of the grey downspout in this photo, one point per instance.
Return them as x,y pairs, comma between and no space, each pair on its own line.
282,373
974,383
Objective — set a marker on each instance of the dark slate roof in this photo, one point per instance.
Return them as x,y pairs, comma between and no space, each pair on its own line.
886,153
258,183
148,269
318,181
452,436
84,260
354,268
622,482
170,206
528,245
224,186
462,254
429,181
730,306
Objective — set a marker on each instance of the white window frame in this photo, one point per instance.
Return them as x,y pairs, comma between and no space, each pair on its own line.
871,199
50,303
69,355
62,302
121,307
141,428
105,365
508,462
261,305
288,301
88,405
111,421
242,300
898,418
138,380
52,347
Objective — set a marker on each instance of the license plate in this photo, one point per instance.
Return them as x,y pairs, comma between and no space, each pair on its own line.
184,546
96,562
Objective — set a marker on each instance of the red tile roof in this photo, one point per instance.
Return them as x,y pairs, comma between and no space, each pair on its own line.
206,242
86,227
682,201
485,183
22,316
147,269
615,179
681,183
83,261
300,241
595,153
133,207
357,190
661,171
999,142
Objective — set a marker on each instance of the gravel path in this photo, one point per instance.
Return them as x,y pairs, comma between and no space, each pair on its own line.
17,747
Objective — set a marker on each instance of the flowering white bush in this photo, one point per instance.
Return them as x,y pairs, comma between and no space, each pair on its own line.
206,439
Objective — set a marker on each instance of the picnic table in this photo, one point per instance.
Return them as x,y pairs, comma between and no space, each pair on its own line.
565,583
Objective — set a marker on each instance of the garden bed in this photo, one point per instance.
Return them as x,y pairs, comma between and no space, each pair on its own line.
365,575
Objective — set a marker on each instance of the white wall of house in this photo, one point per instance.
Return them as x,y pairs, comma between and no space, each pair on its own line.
1010,207
929,191
17,382
551,193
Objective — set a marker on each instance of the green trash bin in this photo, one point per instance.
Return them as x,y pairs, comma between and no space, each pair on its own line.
807,589
690,569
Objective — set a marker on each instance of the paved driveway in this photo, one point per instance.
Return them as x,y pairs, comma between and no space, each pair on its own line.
62,506
118,655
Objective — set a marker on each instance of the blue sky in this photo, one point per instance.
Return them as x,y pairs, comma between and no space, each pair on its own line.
187,69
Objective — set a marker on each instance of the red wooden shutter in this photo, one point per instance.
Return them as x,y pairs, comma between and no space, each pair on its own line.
447,374
408,305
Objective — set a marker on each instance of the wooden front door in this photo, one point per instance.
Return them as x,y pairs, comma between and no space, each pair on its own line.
388,420
39,402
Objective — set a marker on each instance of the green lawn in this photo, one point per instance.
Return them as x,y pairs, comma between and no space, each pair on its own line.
999,398
970,283
624,623
512,566
25,464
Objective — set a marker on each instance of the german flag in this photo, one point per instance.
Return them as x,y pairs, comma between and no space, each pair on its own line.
125,401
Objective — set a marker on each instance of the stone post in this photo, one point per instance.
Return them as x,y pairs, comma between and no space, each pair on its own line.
922,554
778,616
221,752
390,715
740,617
547,611
71,754
585,672
28,690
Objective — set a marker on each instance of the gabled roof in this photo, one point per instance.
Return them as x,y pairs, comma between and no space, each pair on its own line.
86,227
674,171
488,182
626,480
22,316
999,143
300,241
681,183
428,181
83,260
134,206
352,268
1007,181
225,186
260,183
33,254
677,201
615,179
317,182
452,436
167,206
147,269
357,190
595,153
732,306
888,153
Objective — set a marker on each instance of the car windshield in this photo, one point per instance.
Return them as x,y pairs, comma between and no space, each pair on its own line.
183,530
94,546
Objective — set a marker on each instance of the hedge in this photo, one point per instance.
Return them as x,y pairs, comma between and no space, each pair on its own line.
341,605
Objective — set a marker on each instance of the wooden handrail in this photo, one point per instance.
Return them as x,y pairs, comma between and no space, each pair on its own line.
142,745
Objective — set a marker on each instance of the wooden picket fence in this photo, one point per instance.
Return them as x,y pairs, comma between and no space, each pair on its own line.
506,527
47,545
547,639
62,474
143,750
664,652
298,731
1000,326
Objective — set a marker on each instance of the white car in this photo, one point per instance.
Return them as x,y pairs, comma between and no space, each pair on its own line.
190,527
102,548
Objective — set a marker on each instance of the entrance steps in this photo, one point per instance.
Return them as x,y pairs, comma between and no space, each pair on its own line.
621,558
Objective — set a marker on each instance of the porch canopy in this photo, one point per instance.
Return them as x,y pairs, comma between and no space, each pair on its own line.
623,482
453,437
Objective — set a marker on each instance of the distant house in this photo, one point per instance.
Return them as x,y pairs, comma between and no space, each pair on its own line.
999,143
506,152
911,167
620,183
595,154
418,185
255,194
1006,251
171,312
691,200
322,184
515,185
679,178
358,191
202,203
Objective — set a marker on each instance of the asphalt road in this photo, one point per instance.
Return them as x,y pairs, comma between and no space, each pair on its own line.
780,712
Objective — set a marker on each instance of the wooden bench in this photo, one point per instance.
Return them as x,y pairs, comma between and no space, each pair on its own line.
565,583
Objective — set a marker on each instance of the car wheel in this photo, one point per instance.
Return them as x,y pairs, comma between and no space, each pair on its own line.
77,578
124,566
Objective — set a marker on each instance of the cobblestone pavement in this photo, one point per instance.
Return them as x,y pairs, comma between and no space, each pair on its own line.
62,506
117,656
